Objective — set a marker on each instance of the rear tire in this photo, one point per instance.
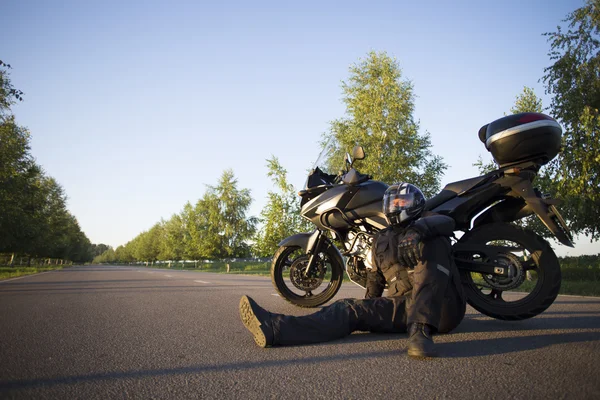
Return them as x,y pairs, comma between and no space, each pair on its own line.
535,257
285,274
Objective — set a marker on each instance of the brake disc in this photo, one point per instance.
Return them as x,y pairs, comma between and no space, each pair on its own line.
300,280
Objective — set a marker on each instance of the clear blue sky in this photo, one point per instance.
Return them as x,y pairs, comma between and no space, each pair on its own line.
135,106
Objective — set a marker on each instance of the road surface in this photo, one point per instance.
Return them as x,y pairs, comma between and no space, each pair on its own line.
126,332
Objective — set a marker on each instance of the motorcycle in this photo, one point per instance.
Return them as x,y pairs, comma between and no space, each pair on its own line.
508,272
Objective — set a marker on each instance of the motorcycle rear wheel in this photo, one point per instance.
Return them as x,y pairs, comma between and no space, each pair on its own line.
287,276
531,257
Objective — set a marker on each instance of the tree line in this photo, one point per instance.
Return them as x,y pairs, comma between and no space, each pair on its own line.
34,220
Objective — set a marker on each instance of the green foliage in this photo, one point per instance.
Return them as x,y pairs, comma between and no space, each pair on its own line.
173,239
527,101
98,249
34,220
379,117
217,227
13,272
574,83
8,94
223,226
281,215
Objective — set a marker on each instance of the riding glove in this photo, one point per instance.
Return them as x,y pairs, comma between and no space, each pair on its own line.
409,250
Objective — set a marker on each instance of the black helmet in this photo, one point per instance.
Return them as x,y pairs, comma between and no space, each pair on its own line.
403,202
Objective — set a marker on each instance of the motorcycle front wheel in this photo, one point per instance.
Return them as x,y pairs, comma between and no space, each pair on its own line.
534,273
288,274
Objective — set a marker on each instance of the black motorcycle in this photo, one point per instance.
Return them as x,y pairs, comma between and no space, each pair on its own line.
508,272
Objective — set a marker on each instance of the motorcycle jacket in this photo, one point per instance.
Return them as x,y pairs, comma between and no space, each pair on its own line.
385,250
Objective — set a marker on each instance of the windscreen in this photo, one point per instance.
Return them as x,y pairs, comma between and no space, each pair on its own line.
331,158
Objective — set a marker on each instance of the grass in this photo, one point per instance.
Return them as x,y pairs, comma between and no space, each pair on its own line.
578,288
7,272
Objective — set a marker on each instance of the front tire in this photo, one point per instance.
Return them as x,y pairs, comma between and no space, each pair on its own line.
533,264
312,291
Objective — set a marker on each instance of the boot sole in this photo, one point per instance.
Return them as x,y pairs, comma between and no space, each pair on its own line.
420,354
252,323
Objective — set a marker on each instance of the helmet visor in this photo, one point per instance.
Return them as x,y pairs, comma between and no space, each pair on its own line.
403,201
395,202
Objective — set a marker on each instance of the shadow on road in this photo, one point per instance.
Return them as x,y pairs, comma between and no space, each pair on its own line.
194,369
487,347
470,348
543,322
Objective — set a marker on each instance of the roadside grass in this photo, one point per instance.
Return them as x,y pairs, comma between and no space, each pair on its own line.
578,288
7,272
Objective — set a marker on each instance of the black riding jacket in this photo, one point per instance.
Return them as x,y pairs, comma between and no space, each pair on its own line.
430,225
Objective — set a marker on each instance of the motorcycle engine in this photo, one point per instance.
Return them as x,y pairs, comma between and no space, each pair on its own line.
358,247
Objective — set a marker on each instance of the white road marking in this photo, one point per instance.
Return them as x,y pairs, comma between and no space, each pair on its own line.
201,281
275,294
169,276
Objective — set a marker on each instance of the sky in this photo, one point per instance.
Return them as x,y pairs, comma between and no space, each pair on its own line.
136,106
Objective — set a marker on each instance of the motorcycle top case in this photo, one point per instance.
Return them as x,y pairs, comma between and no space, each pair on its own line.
522,137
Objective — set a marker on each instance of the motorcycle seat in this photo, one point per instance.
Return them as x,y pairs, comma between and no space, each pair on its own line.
464,185
439,198
452,190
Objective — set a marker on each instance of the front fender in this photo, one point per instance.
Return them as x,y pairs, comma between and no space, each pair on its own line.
301,240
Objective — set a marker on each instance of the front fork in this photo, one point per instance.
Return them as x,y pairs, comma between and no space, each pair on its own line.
315,242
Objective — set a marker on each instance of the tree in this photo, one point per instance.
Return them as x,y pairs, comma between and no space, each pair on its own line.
98,249
379,117
234,227
148,246
573,80
203,224
19,187
34,219
8,94
280,217
173,241
18,173
217,227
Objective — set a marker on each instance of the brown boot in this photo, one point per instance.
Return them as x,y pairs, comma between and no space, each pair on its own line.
257,320
420,342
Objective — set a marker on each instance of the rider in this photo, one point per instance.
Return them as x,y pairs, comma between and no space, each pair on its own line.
424,291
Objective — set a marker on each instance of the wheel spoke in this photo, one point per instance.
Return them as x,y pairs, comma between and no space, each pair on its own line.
529,265
496,294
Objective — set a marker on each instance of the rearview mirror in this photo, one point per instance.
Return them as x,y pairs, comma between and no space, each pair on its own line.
358,153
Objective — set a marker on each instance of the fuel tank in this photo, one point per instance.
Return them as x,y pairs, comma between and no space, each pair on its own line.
343,206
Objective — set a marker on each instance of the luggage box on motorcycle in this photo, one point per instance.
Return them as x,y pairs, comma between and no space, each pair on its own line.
522,137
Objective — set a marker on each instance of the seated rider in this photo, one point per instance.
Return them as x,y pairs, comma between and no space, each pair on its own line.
414,256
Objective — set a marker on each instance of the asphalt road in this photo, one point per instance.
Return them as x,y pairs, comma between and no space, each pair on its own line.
125,332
